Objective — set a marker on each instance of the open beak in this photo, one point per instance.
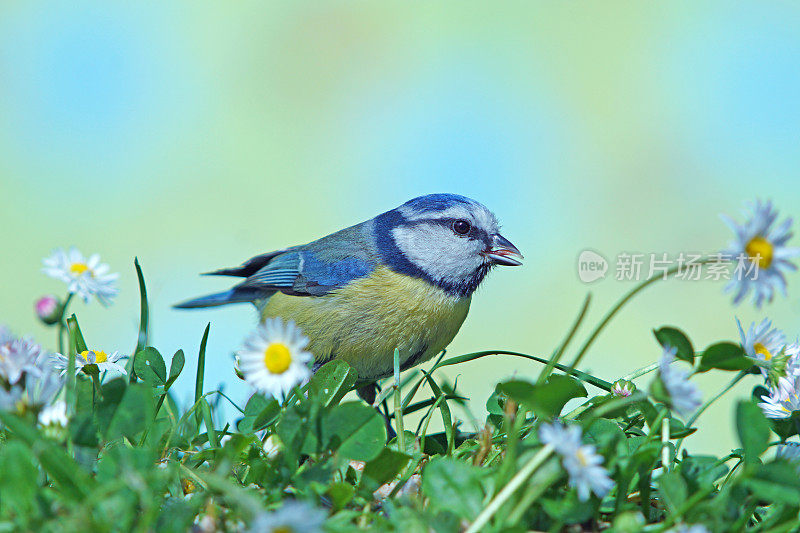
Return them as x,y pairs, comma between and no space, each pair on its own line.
503,252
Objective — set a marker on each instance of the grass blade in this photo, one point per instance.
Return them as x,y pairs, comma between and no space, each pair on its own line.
205,409
560,351
447,419
583,376
144,317
201,370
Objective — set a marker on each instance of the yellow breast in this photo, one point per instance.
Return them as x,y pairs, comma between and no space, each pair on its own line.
367,319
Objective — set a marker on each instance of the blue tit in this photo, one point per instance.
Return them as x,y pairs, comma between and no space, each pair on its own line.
403,279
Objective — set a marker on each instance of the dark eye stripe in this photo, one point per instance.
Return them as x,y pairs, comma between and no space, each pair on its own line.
474,232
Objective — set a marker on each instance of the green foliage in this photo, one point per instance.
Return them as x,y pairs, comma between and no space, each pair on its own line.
670,337
724,356
133,458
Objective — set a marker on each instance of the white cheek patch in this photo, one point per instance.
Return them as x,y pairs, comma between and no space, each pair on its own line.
438,251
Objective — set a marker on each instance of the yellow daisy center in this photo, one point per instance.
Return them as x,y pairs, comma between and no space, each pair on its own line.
761,349
761,250
99,356
581,457
277,358
282,529
78,268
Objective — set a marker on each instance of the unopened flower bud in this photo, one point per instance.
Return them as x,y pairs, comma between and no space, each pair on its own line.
48,309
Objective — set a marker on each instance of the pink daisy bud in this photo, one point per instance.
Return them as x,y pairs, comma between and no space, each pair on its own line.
48,309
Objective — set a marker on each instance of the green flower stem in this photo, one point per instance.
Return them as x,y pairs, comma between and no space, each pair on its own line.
62,325
398,408
621,303
665,460
516,482
97,394
705,406
640,372
545,373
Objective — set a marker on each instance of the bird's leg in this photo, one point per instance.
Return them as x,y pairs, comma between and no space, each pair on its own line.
368,393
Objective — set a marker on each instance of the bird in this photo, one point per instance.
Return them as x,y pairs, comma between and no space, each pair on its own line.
402,280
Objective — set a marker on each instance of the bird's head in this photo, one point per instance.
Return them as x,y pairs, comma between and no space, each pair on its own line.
450,240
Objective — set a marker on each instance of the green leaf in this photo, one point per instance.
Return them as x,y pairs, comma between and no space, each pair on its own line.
331,382
669,337
604,433
340,494
753,430
673,490
76,334
382,469
134,413
701,471
149,367
113,392
453,485
568,509
546,401
258,413
18,483
678,430
775,482
724,356
354,430
298,429
175,367
77,485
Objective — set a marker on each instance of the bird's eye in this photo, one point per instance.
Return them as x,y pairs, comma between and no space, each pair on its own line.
461,227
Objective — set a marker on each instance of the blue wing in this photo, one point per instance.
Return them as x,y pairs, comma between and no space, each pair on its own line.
313,269
305,273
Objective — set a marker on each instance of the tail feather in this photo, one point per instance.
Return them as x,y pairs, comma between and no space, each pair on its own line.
221,298
249,267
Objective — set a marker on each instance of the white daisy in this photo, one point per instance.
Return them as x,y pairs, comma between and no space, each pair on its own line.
761,341
54,415
43,387
581,461
36,384
293,517
273,359
789,451
782,400
764,247
84,277
563,439
18,357
5,335
684,395
12,399
90,361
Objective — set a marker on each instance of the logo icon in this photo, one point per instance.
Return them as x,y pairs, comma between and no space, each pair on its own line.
591,266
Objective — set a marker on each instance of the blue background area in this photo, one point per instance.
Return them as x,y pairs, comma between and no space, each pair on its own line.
196,137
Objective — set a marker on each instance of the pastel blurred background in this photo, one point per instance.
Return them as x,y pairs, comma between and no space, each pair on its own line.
195,137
